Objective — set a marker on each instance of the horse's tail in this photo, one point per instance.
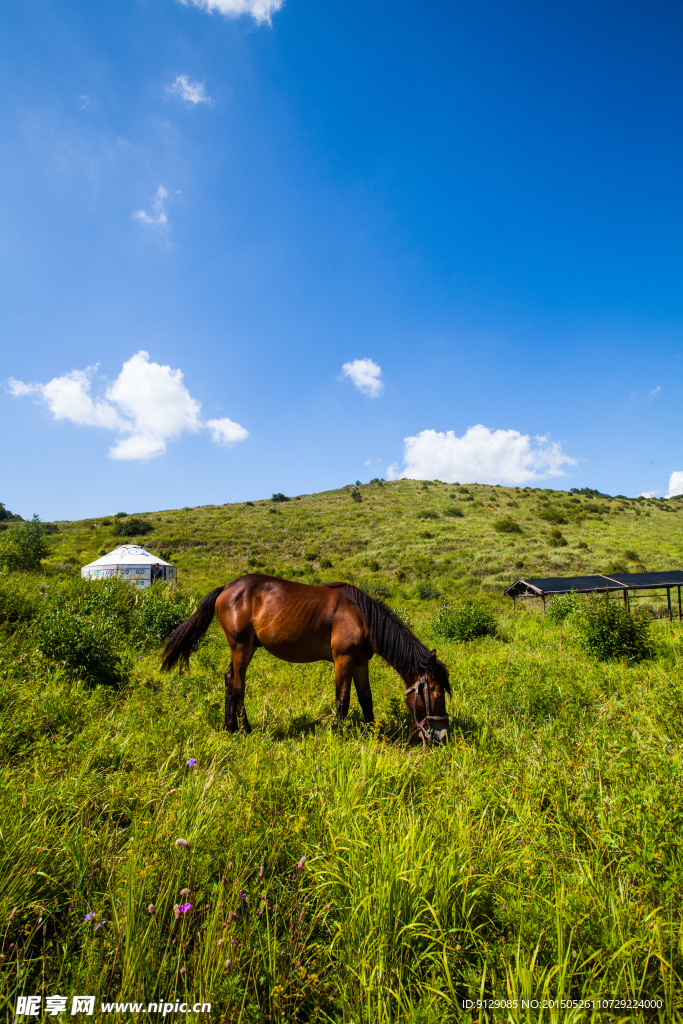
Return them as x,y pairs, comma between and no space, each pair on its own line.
183,640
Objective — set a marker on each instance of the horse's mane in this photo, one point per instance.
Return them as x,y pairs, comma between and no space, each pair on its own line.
391,638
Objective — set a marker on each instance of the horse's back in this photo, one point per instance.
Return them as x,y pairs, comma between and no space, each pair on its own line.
294,621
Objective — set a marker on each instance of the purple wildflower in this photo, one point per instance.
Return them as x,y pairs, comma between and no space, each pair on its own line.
300,865
184,907
191,762
89,917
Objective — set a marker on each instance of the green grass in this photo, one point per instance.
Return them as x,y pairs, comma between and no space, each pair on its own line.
536,856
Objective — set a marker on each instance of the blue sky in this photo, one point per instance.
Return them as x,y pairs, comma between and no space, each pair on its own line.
210,208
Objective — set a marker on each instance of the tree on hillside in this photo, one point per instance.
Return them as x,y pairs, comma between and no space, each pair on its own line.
7,516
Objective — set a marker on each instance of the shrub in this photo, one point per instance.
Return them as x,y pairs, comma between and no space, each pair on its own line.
131,526
556,539
454,511
582,545
325,563
378,588
551,514
468,621
507,525
356,495
158,611
428,591
617,566
280,497
311,556
428,513
15,606
23,548
562,607
608,632
82,644
632,556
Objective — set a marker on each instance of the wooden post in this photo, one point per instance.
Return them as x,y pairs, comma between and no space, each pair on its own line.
626,599
514,607
680,613
543,599
668,601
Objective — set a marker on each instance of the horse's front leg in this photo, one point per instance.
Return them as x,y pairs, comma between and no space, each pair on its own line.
361,678
343,674
235,683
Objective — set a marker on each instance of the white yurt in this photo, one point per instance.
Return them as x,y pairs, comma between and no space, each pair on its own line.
130,562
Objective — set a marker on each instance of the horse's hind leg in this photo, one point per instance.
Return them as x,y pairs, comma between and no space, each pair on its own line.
231,723
235,681
361,678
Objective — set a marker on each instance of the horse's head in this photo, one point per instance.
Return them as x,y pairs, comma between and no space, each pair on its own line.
427,700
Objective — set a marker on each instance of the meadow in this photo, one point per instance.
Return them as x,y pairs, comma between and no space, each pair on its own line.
321,877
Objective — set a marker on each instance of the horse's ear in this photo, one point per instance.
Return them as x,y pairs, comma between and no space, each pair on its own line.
431,664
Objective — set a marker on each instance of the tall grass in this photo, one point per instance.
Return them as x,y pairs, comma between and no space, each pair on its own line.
537,855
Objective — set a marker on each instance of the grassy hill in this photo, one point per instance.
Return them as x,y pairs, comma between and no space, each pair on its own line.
536,856
401,537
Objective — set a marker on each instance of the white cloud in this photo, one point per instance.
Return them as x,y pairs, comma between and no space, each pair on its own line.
158,215
68,398
675,483
226,431
156,402
191,92
482,456
655,391
147,401
366,375
260,10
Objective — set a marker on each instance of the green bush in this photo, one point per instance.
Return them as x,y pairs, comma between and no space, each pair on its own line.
158,611
428,513
455,511
82,644
552,515
608,632
561,608
325,563
556,539
377,587
15,606
468,621
280,497
132,526
428,591
23,547
356,496
507,525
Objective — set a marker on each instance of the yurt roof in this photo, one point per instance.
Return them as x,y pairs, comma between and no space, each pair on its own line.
127,554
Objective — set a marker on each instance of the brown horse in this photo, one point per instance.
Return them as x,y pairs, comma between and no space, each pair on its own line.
334,622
